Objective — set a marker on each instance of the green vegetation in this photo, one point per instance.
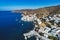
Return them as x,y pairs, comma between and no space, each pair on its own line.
42,34
52,22
48,25
58,12
58,24
52,37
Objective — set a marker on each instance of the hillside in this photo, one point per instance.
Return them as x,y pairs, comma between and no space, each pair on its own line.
41,11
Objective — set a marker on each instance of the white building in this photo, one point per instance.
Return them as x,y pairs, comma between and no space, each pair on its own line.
32,33
29,17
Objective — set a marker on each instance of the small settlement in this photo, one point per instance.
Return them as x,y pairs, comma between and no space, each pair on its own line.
46,28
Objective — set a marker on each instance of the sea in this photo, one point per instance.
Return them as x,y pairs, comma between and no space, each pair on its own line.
12,27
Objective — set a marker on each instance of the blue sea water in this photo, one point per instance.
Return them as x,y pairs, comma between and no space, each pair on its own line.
11,27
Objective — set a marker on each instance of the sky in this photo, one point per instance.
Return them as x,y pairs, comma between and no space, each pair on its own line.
26,4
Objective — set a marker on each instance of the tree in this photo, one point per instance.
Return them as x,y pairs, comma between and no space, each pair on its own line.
42,34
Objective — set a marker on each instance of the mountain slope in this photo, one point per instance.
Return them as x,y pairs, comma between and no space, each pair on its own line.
41,11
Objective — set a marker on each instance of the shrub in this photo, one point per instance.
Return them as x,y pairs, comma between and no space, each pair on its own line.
42,34
48,25
52,37
58,24
52,22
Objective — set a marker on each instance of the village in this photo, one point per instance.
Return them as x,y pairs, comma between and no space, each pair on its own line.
46,28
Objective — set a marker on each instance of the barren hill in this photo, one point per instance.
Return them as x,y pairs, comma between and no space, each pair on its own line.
41,11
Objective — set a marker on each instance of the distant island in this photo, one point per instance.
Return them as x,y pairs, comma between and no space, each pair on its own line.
41,11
